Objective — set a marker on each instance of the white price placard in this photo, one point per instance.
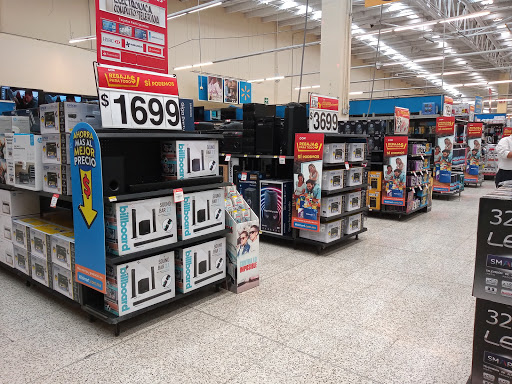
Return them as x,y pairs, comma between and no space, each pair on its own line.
323,113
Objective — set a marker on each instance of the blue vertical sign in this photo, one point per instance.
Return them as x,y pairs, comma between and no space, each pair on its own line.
479,105
87,185
202,86
245,92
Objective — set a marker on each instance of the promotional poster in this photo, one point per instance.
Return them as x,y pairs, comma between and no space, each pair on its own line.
395,170
402,121
132,34
231,91
479,105
448,107
507,131
474,154
215,93
443,153
307,178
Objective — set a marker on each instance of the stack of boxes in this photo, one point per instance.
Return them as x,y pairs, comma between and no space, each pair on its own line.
374,190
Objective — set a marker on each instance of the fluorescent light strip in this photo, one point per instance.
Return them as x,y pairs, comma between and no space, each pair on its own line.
203,8
202,64
80,39
468,16
256,81
274,78
184,67
356,93
409,27
443,74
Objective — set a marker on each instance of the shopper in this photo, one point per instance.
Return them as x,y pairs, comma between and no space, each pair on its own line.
504,151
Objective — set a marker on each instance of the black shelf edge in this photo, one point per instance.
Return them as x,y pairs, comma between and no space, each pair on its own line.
188,186
40,193
342,165
450,193
345,214
402,213
110,318
346,135
115,260
277,236
414,139
240,155
335,242
377,151
115,133
346,189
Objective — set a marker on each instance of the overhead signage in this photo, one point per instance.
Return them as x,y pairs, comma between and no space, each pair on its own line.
443,154
309,150
137,99
445,125
474,155
402,121
395,170
373,3
132,33
323,113
479,105
223,90
448,106
89,226
507,131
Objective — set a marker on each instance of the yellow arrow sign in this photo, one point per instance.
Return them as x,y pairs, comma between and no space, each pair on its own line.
86,210
372,3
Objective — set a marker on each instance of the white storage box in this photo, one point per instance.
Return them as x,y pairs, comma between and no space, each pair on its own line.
192,159
356,151
353,201
63,249
40,239
21,230
57,179
331,206
332,179
334,153
329,232
64,282
22,260
353,223
28,166
18,203
41,270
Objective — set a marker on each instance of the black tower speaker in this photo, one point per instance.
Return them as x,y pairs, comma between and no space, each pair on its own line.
295,121
267,139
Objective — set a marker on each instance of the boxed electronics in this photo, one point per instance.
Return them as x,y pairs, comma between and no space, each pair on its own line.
7,253
353,223
334,153
62,117
134,226
276,198
250,188
56,148
10,176
200,265
201,213
18,203
21,230
27,156
329,232
41,270
356,151
6,227
57,179
375,179
353,200
139,284
194,158
332,179
374,199
15,124
331,206
40,239
21,259
64,282
63,249
354,176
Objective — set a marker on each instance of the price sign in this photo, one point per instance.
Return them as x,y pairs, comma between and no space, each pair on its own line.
53,202
228,157
138,100
244,176
282,159
178,195
323,113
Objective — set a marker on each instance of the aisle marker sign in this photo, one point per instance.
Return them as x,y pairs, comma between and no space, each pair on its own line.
137,99
87,186
323,114
132,33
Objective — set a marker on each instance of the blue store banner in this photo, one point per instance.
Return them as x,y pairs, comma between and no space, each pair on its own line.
245,92
87,185
202,86
479,105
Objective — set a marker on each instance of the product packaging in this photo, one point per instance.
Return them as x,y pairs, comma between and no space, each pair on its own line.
276,197
353,223
41,270
10,176
201,213
375,180
7,253
40,239
62,117
22,260
329,232
250,187
354,176
374,199
57,179
63,249
332,179
139,284
189,159
353,201
331,206
200,265
134,226
56,148
334,153
27,156
5,228
18,203
21,230
14,124
64,282
356,151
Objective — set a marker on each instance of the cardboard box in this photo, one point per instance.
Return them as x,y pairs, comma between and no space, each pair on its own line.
492,354
10,177
15,124
334,153
332,179
40,239
134,226
27,156
250,188
21,230
63,249
375,180
354,176
201,213
62,117
331,206
329,232
374,198
353,201
356,151
7,253
64,282
56,148
22,260
18,203
139,284
41,270
57,179
200,265
353,223
276,206
5,228
190,159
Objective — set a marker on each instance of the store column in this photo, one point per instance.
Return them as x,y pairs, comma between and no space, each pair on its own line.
503,91
336,51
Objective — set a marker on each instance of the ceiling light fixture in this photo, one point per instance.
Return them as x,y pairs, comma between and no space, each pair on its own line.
205,7
468,16
183,67
274,78
80,39
256,81
356,93
202,64
408,27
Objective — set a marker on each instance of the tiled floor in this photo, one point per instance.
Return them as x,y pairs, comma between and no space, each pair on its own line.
393,307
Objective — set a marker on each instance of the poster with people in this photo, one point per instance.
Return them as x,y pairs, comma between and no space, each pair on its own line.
474,152
307,181
402,121
443,153
231,91
215,85
395,170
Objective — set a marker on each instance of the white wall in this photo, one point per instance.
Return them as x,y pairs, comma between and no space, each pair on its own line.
35,33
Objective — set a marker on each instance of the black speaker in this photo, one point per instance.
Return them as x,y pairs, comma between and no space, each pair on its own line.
295,121
113,175
267,139
228,113
255,111
252,197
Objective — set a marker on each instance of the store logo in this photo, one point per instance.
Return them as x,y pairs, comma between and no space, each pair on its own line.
111,40
125,220
188,263
500,262
124,289
186,213
135,45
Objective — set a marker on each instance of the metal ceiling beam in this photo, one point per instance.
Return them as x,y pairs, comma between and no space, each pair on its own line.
241,7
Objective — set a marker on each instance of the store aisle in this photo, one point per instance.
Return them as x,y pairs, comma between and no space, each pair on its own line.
395,307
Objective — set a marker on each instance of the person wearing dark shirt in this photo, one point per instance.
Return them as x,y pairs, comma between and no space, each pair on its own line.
25,102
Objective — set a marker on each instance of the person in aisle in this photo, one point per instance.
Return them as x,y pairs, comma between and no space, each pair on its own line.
243,247
437,154
313,190
313,173
504,152
300,187
388,176
399,164
25,102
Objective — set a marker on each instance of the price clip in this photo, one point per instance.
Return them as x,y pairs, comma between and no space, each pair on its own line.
53,202
282,159
112,199
258,156
244,176
228,157
414,173
365,165
245,155
421,188
178,195
347,165
422,157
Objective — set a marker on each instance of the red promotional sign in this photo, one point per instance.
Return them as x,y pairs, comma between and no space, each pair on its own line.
402,121
475,130
132,33
309,151
445,126
395,145
507,131
323,113
395,170
324,102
